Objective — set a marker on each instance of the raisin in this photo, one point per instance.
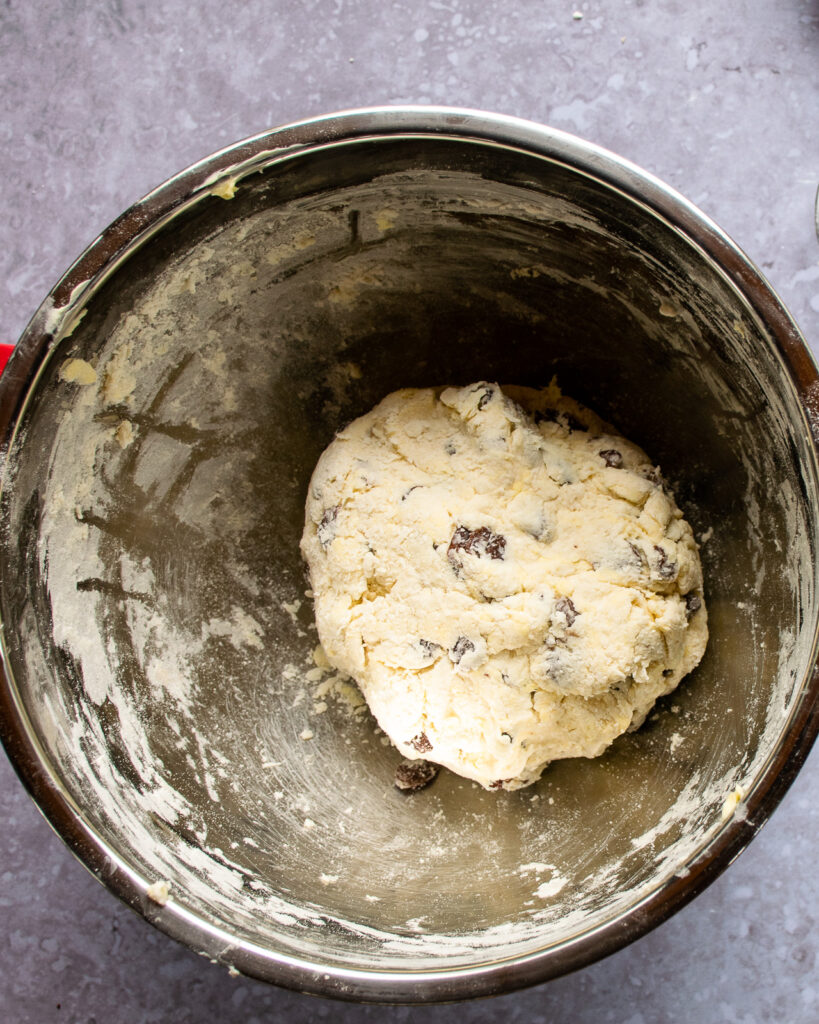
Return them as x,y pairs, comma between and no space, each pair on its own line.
498,783
428,648
556,666
326,528
481,542
639,554
411,776
463,645
693,603
666,568
612,458
668,672
421,743
485,398
567,608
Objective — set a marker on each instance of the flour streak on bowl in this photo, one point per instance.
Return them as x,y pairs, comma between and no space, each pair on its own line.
165,700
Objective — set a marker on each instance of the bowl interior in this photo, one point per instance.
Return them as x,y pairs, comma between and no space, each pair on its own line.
158,631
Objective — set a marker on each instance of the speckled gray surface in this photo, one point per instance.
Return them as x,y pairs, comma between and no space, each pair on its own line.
101,101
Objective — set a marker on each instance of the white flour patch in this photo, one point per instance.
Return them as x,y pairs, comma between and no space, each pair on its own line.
551,888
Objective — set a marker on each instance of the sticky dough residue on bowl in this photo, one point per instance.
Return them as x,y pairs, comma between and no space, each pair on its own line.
181,689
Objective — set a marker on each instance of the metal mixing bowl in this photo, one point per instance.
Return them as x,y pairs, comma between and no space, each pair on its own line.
161,699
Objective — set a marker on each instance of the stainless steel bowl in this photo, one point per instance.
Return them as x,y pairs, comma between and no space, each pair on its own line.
161,699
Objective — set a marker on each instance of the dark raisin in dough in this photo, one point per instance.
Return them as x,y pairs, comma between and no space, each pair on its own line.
482,543
463,645
612,458
421,743
565,605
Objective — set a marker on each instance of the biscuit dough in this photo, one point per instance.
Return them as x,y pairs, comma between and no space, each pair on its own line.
504,576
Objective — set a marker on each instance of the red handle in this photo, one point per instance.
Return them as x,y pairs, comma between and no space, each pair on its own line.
5,352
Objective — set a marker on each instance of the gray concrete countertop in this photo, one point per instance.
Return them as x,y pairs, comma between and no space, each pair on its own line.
103,100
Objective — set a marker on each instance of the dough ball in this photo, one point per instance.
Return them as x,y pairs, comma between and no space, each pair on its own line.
504,576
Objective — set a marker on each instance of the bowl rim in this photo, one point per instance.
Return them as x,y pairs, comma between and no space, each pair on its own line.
217,175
